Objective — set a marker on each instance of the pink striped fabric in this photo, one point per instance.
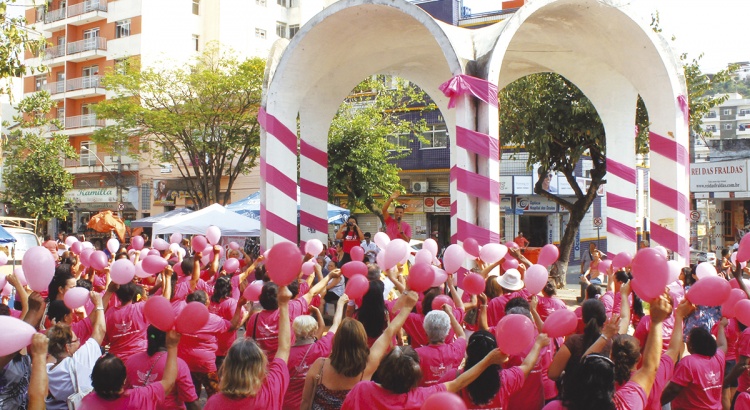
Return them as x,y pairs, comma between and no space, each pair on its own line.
465,84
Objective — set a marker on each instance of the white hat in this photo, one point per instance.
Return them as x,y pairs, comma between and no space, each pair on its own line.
511,280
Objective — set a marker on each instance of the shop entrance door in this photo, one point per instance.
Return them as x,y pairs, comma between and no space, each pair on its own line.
534,228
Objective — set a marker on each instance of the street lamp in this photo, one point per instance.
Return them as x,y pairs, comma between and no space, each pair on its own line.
118,175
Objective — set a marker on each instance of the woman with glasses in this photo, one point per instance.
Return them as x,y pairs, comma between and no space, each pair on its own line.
70,363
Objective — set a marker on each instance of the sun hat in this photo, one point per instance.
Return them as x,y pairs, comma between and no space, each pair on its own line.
511,280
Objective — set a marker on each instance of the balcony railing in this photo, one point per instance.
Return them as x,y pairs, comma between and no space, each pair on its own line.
80,121
85,7
54,15
80,83
55,88
87,44
54,52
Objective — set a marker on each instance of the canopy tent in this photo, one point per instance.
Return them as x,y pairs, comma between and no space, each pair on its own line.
250,207
196,223
148,222
5,236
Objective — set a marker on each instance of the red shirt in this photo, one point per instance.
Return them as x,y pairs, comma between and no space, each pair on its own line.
367,395
269,397
732,333
300,360
144,370
663,375
743,349
436,360
391,228
547,305
701,378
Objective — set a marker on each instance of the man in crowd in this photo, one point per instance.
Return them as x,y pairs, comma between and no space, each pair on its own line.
371,250
521,241
395,227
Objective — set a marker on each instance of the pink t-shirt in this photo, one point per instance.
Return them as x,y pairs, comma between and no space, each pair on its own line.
496,307
547,305
182,288
511,381
414,327
144,371
82,329
199,349
99,282
531,393
630,397
545,360
235,281
269,397
368,395
701,378
641,331
126,330
743,349
263,326
436,360
145,398
391,228
732,333
225,309
300,360
663,375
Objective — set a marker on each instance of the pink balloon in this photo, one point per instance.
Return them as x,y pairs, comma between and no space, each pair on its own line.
440,300
158,312
510,263
21,276
15,336
3,282
734,285
85,255
733,259
7,290
382,240
473,284
471,246
206,258
662,250
649,261
649,287
252,292
113,245
231,265
431,245
70,240
283,263
308,268
709,291
357,253
234,246
198,243
161,244
493,252
357,286
380,259
674,271
420,277
98,260
76,248
423,256
122,271
137,242
192,318
354,268
39,267
536,278
742,311
76,297
511,244
139,272
153,264
727,308
514,333
213,234
548,255
453,258
444,401
560,323
175,237
154,252
621,260
394,252
704,270
440,277
314,247
605,265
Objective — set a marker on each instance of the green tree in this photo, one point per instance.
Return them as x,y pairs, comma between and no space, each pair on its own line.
35,178
371,131
201,118
550,118
699,85
15,38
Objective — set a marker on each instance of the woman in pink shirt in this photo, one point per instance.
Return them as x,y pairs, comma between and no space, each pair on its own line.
108,380
126,324
439,357
248,381
148,367
549,303
224,305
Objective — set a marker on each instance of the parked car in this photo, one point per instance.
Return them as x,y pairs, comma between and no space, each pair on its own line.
697,257
25,240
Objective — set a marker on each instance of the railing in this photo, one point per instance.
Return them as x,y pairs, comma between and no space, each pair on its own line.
55,88
79,121
88,44
54,52
80,83
85,7
54,15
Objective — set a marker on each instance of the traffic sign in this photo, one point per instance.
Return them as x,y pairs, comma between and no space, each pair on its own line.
121,206
695,216
598,222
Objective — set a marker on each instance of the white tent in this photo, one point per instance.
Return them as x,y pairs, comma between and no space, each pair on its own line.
196,223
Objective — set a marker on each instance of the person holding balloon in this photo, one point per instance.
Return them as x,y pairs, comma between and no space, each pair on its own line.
439,357
512,286
224,305
191,278
126,324
351,235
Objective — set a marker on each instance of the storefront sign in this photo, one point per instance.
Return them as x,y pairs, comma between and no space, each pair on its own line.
411,205
726,176
529,204
442,204
506,184
167,191
522,185
428,204
506,205
94,195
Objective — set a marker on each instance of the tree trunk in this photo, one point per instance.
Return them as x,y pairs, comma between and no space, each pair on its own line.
566,244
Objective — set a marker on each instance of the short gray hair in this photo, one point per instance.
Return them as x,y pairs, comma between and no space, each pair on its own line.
436,325
305,326
520,310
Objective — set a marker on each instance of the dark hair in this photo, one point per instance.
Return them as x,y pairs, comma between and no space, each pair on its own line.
157,340
724,252
108,376
373,273
549,289
269,296
399,207
367,234
372,311
4,310
187,266
222,289
594,315
197,296
626,352
125,293
261,274
593,291
485,387
60,280
517,302
592,386
56,310
85,283
492,288
429,296
701,342
688,273
399,371
622,276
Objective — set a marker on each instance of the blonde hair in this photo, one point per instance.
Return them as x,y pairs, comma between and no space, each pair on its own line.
304,326
59,336
244,370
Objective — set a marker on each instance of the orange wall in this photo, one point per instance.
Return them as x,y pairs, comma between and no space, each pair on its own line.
73,107
75,69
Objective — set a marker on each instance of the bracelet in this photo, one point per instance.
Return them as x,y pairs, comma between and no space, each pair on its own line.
603,336
100,308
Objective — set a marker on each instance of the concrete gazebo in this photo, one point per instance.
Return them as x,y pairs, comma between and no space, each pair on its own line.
595,44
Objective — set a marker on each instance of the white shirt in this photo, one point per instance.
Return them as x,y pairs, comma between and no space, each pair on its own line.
60,381
370,248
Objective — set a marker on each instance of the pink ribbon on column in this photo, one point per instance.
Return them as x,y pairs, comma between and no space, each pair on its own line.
478,143
682,102
465,84
669,148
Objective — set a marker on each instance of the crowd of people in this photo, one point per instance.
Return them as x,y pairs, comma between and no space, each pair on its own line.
392,348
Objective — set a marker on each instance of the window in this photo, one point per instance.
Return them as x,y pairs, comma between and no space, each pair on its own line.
260,33
436,136
281,29
283,3
293,30
196,42
401,142
261,2
121,66
196,7
727,111
88,153
61,115
711,114
39,82
122,28
744,112
727,126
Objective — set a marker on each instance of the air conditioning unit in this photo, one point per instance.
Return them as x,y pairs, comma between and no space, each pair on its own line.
420,186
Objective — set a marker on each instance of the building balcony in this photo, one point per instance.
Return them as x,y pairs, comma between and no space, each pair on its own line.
743,131
84,87
81,124
76,14
86,49
87,164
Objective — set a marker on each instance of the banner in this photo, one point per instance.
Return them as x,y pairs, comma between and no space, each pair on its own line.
726,176
92,195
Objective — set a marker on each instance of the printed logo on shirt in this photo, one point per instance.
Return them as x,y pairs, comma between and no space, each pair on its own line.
268,332
145,379
301,370
438,371
124,326
712,378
